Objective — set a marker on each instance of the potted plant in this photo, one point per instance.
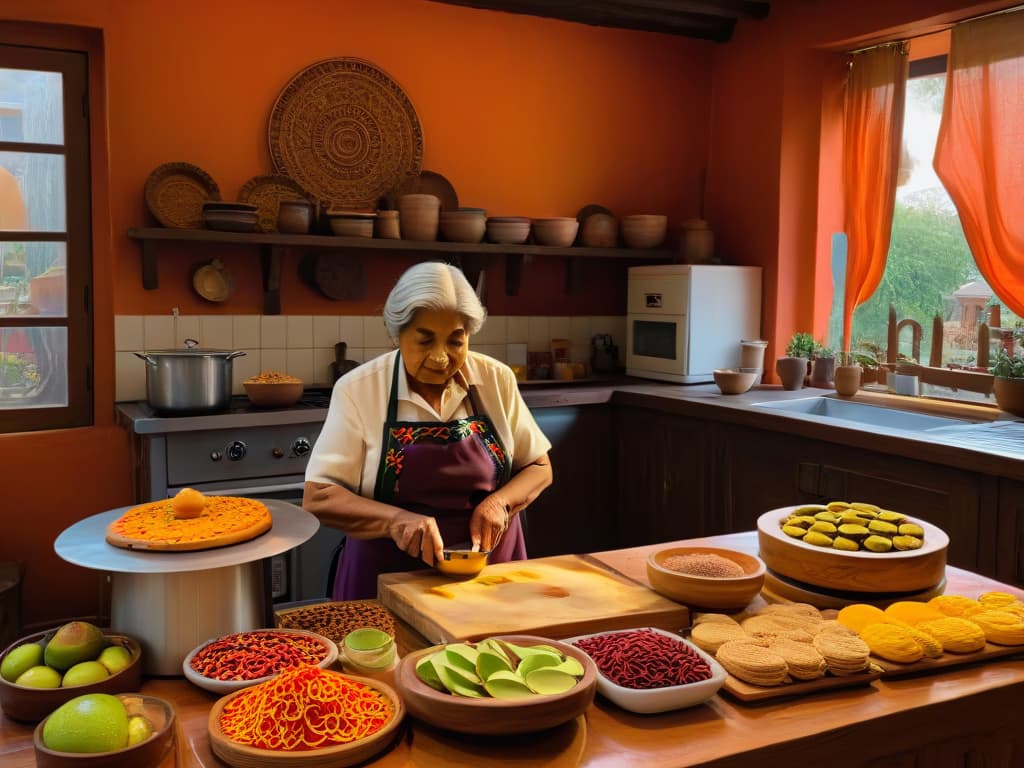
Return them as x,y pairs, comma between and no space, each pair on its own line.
823,368
794,367
848,374
1009,381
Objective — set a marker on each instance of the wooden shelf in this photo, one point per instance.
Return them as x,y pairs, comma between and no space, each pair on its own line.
472,256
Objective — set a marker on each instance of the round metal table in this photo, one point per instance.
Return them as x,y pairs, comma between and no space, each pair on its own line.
173,601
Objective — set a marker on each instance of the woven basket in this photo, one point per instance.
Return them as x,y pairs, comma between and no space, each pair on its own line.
175,193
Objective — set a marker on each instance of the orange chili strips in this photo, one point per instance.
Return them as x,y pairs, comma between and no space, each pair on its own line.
305,708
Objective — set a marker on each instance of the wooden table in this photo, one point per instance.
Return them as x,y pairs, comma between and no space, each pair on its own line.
967,716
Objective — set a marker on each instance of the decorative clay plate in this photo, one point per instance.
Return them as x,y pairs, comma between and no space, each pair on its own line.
175,193
346,132
267,192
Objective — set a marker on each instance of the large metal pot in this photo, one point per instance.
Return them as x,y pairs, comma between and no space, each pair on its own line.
190,380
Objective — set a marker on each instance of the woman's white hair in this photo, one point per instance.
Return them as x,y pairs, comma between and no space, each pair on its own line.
432,285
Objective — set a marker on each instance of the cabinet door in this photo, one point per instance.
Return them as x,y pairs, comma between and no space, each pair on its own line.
762,467
1010,540
663,483
574,515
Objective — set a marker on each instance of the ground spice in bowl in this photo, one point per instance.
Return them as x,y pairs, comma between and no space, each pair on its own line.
703,564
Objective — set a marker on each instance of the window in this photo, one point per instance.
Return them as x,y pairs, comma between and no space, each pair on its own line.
929,271
45,240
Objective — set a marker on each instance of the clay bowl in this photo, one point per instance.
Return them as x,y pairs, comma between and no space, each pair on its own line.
463,226
272,394
146,754
231,217
30,705
351,223
559,232
508,230
852,572
338,755
707,592
733,382
644,230
489,716
599,230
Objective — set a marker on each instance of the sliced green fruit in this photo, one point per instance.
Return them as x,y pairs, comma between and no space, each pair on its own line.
462,656
488,663
548,680
507,685
426,672
454,682
536,661
570,666
521,651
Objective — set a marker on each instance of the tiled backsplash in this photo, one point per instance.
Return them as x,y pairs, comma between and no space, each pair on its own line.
303,345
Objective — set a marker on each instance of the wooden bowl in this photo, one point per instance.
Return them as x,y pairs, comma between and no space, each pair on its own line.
30,705
273,395
861,571
351,223
489,716
146,754
558,232
463,226
710,593
733,382
510,231
335,756
643,230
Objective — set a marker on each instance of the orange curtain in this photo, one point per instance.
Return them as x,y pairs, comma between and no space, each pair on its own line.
872,135
979,154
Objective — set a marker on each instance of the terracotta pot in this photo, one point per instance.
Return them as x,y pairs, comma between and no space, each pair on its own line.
822,372
419,216
1010,395
847,379
792,371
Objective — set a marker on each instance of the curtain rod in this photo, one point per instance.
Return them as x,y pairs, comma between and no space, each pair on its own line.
1011,9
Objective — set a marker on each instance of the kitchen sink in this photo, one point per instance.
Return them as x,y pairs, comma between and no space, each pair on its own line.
862,413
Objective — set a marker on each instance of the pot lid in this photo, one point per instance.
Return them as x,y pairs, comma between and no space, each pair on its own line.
192,349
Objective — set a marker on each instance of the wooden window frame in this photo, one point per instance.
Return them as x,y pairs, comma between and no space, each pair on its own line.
77,237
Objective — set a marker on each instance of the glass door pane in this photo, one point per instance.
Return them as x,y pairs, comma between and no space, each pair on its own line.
33,367
32,196
31,106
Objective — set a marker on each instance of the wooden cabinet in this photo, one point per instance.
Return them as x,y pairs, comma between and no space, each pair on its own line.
574,515
1010,532
665,476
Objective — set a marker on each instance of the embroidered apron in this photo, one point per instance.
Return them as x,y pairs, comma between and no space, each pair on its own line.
442,469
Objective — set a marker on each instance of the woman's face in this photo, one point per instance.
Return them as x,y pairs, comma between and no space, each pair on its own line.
434,345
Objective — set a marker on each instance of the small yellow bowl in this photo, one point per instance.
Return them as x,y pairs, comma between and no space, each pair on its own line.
461,562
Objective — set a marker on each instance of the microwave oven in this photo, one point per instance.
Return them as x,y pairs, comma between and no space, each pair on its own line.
685,320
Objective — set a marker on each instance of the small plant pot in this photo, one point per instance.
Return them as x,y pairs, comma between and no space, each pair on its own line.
822,372
792,371
1010,395
847,379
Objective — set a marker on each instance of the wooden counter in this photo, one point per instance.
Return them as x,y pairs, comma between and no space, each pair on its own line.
970,716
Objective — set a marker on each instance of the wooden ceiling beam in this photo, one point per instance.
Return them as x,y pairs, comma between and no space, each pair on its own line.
664,16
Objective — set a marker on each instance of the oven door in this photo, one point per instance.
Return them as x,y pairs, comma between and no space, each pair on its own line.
302,573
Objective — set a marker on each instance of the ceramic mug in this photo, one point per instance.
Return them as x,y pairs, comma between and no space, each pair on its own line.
847,379
792,371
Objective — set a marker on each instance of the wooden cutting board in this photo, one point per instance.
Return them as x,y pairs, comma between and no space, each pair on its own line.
554,597
947,660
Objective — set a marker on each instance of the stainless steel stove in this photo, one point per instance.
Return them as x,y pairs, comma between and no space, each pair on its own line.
245,451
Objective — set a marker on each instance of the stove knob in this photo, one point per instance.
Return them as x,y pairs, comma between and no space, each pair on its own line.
236,451
301,446
277,453
216,455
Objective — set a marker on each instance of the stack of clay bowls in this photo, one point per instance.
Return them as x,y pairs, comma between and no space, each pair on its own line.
464,225
419,216
644,230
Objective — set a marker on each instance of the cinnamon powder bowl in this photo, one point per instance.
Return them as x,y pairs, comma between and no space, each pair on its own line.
709,592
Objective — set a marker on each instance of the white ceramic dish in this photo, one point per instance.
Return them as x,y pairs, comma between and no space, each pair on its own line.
230,686
653,700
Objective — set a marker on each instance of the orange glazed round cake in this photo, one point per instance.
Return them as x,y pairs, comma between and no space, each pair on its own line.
201,522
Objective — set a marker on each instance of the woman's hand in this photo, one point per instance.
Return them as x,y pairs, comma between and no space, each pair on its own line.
416,535
489,521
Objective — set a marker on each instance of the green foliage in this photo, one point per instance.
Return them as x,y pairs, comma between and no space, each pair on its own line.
1008,366
928,258
802,345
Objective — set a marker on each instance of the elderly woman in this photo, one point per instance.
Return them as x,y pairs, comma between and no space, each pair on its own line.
428,446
